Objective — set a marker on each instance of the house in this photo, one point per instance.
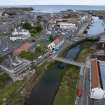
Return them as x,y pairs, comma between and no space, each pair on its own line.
56,44
20,33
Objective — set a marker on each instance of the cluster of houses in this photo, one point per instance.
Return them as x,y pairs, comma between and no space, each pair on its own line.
97,74
8,22
15,42
16,67
66,26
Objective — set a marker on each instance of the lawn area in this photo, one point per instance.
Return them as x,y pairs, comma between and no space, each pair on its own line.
4,80
85,50
27,55
39,50
67,89
10,91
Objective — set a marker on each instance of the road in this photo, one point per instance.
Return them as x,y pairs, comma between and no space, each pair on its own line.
85,84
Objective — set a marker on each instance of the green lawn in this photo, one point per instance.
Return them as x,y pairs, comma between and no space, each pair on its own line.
10,91
67,89
39,51
27,55
4,80
85,50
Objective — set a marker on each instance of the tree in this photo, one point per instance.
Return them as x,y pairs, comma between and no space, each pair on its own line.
38,28
27,26
50,38
39,18
27,55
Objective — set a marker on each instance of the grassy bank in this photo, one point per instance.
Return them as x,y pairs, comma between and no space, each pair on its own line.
67,89
85,50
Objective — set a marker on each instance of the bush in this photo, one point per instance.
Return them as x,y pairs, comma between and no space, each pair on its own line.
27,55
27,26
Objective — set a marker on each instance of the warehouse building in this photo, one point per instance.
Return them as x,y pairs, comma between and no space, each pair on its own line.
97,78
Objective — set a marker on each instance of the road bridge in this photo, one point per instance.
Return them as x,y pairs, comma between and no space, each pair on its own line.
64,60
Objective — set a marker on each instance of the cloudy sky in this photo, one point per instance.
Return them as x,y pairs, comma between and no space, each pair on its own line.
52,2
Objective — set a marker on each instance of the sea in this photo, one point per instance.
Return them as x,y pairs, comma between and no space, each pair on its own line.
57,8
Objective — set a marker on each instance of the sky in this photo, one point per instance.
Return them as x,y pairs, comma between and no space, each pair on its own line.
52,2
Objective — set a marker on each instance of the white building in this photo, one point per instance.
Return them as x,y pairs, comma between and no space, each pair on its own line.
67,25
84,18
56,44
19,33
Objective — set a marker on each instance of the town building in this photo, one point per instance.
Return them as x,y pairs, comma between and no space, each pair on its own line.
56,44
15,67
85,18
100,49
67,25
101,43
20,34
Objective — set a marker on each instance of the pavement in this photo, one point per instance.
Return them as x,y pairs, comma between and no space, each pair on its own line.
85,84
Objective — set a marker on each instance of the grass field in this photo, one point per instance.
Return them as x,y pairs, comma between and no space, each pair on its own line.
67,90
4,80
85,50
9,91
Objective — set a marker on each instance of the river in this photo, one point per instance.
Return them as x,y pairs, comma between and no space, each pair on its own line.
44,91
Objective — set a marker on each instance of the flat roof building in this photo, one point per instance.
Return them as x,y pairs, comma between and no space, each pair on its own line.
97,78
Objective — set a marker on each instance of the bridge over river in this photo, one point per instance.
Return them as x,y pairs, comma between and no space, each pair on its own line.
64,60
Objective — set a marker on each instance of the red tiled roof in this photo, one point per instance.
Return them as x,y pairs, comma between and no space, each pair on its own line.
95,79
58,40
24,47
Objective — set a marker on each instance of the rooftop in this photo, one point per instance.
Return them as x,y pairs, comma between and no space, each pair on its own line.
95,79
100,52
102,73
102,38
24,47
